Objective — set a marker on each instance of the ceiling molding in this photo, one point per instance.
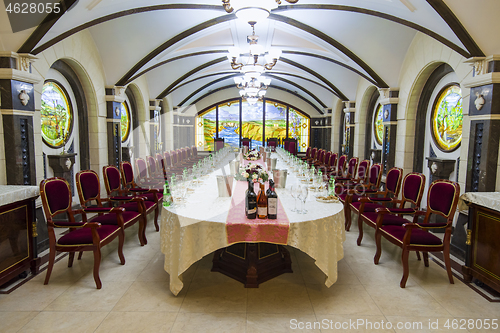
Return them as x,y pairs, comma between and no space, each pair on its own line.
275,75
332,42
454,23
388,17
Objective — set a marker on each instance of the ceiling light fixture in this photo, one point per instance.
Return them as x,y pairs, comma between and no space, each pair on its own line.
252,89
252,10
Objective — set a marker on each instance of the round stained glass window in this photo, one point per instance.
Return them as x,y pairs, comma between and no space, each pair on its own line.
378,124
446,118
124,121
56,115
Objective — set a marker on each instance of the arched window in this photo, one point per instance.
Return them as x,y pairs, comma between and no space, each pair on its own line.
56,115
233,120
447,117
124,121
378,124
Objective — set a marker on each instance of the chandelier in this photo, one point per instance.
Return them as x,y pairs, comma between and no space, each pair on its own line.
252,88
257,60
252,10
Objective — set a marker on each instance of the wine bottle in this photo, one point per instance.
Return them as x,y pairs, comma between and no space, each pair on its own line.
251,202
262,203
272,202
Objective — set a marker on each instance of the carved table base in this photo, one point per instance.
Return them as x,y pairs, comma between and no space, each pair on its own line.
252,263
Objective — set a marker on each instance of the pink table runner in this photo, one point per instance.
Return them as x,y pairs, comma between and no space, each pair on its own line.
240,229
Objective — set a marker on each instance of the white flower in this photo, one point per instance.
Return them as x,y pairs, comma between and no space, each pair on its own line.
245,174
255,176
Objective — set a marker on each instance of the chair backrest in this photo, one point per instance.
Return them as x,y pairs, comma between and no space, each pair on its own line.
393,181
219,144
188,152
159,158
194,151
168,159
351,167
127,172
151,166
313,152
184,154
142,168
321,155
291,148
375,175
413,189
56,197
363,169
174,157
308,152
333,160
442,198
112,178
342,162
88,187
326,160
245,142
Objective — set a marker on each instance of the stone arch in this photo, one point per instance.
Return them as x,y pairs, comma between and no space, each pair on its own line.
362,119
140,120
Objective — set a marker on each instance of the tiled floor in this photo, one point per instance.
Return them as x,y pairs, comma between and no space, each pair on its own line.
136,298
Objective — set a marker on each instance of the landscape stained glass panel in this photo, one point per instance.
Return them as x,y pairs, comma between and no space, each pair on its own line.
447,117
298,128
252,124
56,115
378,125
124,121
205,130
275,120
229,123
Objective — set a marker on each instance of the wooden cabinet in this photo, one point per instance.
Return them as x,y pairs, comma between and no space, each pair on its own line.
17,230
483,246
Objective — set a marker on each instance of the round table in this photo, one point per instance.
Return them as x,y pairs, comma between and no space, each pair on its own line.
198,228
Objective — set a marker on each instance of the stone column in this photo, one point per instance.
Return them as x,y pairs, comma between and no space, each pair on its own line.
484,115
349,113
155,126
389,102
114,97
17,106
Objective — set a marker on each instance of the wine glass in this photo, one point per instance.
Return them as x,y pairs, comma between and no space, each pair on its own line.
303,193
293,194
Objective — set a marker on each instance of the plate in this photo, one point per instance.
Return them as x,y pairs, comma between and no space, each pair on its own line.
328,199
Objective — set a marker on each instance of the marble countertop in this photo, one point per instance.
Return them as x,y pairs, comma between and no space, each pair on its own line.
489,200
13,193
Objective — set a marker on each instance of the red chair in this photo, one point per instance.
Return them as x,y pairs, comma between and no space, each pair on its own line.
339,170
124,195
89,190
82,236
331,165
292,147
350,171
442,200
194,152
308,154
413,188
312,156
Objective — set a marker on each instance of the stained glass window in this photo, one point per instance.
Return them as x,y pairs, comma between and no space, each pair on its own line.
446,119
125,121
378,124
56,115
298,128
229,123
275,120
205,129
251,123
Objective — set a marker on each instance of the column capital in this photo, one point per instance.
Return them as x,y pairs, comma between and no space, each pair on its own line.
115,94
17,66
486,70
349,106
154,105
389,95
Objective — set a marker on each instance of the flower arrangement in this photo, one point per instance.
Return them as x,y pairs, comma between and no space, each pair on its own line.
253,172
252,155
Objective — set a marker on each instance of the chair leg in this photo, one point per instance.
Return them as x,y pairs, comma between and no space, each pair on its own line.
121,240
80,255
378,242
418,255
52,257
97,264
360,228
406,268
426,258
447,263
142,229
347,216
71,257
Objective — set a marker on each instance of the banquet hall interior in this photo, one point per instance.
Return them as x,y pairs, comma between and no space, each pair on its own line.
391,106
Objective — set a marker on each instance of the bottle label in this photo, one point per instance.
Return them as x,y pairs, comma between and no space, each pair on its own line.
272,206
262,211
252,211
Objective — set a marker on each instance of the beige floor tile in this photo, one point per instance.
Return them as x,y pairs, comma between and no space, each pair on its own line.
354,300
11,322
33,296
279,298
114,272
210,323
432,276
150,296
225,297
281,323
295,277
395,301
353,324
122,322
463,302
83,296
410,324
387,273
64,322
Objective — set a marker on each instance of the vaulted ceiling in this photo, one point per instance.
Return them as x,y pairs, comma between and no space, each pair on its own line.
328,46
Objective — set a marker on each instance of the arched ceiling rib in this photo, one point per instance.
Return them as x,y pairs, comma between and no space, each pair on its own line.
327,47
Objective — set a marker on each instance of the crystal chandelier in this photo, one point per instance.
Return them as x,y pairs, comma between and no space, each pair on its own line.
257,60
252,10
252,89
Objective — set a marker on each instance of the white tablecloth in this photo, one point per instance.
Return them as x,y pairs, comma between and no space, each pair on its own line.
188,233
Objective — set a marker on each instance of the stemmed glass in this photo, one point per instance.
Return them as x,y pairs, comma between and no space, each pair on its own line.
293,194
303,192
